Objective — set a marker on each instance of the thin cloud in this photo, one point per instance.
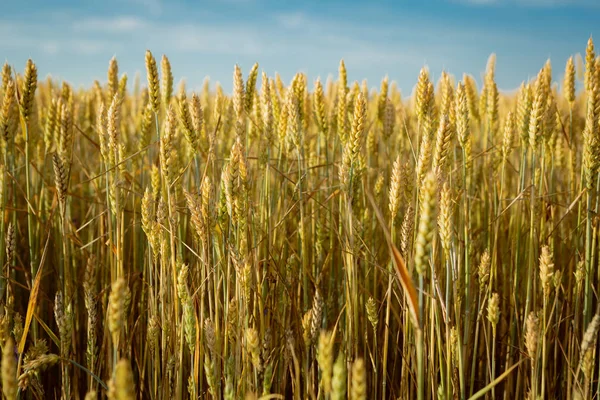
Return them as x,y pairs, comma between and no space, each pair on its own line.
155,7
91,46
531,3
236,2
480,2
216,39
55,41
292,20
118,24
282,40
94,35
50,47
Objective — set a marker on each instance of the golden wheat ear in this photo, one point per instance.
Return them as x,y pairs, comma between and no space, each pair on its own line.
401,270
153,82
9,370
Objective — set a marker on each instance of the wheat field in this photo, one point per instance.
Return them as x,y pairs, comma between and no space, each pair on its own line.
310,240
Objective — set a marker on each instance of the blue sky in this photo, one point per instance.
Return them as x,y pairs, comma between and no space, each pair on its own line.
74,40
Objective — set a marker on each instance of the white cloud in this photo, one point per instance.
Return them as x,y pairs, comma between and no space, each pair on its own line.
531,3
48,39
153,6
282,41
218,39
292,20
236,2
91,46
554,3
96,35
50,47
482,2
118,24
